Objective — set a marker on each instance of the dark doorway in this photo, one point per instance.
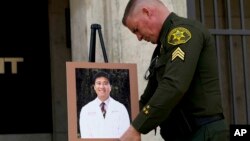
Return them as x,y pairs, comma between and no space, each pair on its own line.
25,94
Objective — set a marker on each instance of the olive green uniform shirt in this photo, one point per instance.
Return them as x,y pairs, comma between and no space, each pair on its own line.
183,68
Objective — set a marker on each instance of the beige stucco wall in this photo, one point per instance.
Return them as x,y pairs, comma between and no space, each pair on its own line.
121,45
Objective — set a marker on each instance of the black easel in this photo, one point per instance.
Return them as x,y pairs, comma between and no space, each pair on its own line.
95,27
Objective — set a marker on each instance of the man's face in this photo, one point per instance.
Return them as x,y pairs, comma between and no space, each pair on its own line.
143,27
102,88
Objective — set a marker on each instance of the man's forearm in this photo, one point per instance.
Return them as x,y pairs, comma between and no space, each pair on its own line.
131,135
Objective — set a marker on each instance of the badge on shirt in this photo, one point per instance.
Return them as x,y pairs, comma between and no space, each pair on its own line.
178,35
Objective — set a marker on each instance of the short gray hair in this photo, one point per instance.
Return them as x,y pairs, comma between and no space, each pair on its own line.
128,10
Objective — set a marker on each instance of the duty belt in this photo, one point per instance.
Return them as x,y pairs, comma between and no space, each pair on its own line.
199,121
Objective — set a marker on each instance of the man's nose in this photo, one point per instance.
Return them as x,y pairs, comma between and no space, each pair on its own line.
102,85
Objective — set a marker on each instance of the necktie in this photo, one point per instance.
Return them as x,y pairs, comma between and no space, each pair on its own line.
103,109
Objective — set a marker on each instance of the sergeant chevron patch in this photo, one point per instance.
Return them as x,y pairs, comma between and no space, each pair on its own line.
178,53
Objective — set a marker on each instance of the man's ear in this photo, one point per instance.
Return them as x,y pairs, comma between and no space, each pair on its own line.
146,11
93,86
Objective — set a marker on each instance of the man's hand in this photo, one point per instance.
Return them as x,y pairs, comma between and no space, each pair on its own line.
131,135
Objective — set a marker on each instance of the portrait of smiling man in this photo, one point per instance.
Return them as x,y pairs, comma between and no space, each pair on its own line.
103,117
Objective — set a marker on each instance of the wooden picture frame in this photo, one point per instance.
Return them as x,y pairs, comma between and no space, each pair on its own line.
79,92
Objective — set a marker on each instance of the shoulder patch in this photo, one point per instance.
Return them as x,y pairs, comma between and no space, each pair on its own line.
178,35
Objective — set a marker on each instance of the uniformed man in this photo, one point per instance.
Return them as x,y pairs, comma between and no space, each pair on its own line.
183,94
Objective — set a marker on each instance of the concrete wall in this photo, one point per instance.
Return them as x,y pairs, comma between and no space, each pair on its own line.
121,45
60,53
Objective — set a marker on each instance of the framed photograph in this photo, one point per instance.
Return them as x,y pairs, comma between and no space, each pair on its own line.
102,100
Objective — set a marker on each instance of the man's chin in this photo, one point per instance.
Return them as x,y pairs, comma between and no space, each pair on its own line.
152,42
